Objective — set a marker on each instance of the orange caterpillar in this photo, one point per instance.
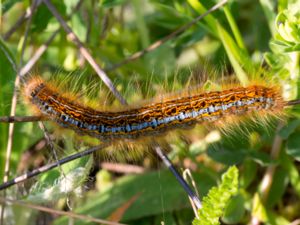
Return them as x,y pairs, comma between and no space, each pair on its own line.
154,118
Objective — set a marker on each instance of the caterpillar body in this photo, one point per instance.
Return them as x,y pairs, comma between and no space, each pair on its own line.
153,118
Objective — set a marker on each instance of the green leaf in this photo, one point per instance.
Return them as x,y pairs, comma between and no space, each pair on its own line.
41,19
268,7
168,17
235,55
264,215
287,25
79,27
235,210
249,173
111,3
214,203
162,60
43,16
289,128
261,158
7,4
292,170
151,188
293,145
70,5
226,154
279,184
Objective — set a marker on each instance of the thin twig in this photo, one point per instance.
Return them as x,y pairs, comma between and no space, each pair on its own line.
30,64
293,102
20,21
13,109
67,159
38,53
9,58
188,175
14,119
58,212
51,145
72,36
177,175
14,99
158,43
50,166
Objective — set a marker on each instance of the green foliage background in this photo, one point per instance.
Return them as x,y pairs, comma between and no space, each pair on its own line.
242,38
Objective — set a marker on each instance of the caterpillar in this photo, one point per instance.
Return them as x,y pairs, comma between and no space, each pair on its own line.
153,118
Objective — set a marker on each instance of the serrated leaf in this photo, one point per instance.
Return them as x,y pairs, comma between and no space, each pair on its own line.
214,203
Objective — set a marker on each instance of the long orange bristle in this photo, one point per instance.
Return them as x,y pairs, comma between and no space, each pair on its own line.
155,117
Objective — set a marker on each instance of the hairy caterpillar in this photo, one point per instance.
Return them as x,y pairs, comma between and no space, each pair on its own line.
153,118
